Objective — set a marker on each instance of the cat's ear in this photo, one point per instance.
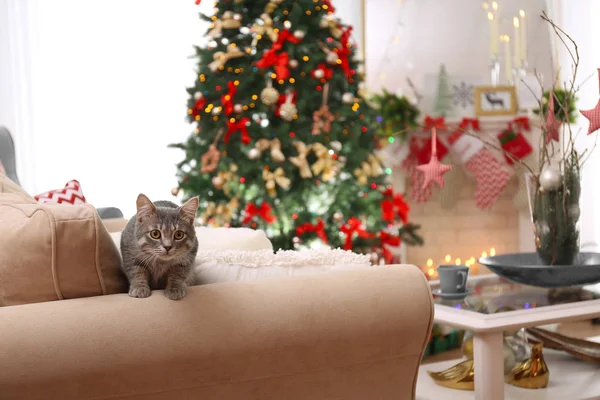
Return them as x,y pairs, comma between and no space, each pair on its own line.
189,209
145,207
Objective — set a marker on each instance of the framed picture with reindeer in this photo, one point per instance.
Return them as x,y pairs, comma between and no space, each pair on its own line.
495,100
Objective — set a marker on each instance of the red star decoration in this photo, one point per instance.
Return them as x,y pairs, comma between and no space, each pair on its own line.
593,115
434,171
552,124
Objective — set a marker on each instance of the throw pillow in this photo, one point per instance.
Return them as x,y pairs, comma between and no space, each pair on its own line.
232,265
54,252
70,194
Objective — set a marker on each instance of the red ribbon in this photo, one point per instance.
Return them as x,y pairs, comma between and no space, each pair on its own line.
198,106
522,122
280,61
354,226
327,72
235,126
437,123
394,206
227,99
472,122
198,2
318,228
344,51
263,211
285,36
388,240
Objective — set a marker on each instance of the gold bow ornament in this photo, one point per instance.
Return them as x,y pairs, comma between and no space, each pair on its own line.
325,164
275,146
369,168
231,20
222,181
272,179
272,6
300,160
220,58
330,22
265,27
221,214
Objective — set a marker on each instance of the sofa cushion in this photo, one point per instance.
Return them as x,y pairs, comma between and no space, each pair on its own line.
233,265
54,252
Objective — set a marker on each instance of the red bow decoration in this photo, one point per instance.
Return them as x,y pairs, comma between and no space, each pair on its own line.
198,106
282,100
280,61
344,51
472,122
227,99
354,226
235,126
437,123
285,36
263,211
198,2
522,122
388,240
327,72
392,205
318,228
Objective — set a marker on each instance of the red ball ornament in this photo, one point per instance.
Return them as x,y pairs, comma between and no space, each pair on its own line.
292,134
319,88
218,87
364,128
242,180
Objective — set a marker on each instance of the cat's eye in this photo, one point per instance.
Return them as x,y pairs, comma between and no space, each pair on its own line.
178,235
155,234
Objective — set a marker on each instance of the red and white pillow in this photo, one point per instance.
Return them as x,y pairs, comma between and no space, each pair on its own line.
70,194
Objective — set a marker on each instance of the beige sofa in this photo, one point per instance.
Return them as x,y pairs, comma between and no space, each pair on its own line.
353,334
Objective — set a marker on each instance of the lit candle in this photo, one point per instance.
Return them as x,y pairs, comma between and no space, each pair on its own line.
430,272
517,40
484,254
457,261
447,258
429,262
507,61
523,36
493,35
492,251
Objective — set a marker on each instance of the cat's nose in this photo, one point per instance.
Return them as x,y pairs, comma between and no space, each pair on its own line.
167,248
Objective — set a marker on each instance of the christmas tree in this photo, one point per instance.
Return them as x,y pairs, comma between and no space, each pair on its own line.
283,139
443,100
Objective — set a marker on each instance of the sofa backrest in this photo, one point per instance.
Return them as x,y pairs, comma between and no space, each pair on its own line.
7,154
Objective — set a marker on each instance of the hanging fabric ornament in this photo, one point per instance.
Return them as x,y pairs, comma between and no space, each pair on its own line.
514,144
368,169
318,228
434,171
264,27
275,146
227,98
322,118
593,115
489,173
263,212
274,179
354,226
325,164
455,180
229,21
234,126
210,159
552,124
220,58
288,110
300,160
269,95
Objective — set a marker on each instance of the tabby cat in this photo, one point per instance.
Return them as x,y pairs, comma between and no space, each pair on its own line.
159,246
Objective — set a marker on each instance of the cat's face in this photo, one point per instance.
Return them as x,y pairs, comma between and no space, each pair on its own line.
166,233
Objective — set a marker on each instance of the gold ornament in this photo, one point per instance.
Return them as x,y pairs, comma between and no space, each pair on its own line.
220,58
288,110
369,168
229,22
221,214
272,6
175,191
272,179
325,164
460,376
210,159
531,373
269,95
275,146
223,179
216,29
300,160
322,119
333,25
266,28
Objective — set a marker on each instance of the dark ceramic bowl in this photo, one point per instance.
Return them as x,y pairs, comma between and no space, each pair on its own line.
527,268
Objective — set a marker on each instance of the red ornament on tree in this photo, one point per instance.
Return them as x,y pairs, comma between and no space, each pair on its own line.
354,226
394,205
263,212
234,126
322,72
227,99
318,228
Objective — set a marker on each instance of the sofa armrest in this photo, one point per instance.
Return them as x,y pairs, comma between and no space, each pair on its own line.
339,335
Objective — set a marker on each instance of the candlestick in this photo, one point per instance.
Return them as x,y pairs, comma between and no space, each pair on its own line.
523,36
493,35
517,39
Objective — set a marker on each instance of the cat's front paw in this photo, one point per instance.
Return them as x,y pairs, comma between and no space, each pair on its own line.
176,293
140,291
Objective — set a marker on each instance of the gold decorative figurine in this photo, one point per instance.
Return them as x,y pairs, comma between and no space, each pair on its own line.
460,376
531,373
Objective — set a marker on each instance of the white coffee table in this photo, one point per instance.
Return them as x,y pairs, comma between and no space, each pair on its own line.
533,308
